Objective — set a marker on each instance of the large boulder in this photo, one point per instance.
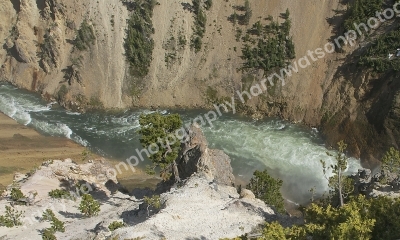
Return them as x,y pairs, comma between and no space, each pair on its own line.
196,157
22,53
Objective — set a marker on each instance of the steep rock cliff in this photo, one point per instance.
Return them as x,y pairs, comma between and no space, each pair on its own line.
38,54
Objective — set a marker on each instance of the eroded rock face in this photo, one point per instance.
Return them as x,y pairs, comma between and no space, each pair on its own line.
200,209
57,174
214,164
22,54
372,185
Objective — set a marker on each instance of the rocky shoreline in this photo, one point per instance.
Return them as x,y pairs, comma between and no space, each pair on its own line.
205,204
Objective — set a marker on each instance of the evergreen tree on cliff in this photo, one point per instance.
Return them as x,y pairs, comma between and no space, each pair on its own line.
341,184
157,132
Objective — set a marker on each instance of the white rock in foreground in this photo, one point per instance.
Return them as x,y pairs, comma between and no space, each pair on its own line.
201,210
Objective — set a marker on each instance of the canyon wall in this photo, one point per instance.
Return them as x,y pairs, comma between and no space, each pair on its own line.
329,93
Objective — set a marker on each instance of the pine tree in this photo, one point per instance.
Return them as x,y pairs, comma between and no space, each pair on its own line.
267,189
339,182
155,129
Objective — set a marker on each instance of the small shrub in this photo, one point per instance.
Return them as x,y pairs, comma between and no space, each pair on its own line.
62,92
33,170
48,234
115,225
154,201
11,218
48,215
267,189
88,206
16,195
181,40
96,103
59,193
359,11
56,224
138,43
84,36
200,21
208,4
391,164
86,154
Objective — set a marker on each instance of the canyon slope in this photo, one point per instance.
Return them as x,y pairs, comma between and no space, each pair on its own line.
344,101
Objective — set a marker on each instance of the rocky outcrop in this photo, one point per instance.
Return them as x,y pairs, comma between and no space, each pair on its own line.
196,157
382,183
201,206
201,209
95,175
67,174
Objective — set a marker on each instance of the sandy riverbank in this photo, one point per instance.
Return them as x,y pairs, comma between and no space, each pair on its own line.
23,148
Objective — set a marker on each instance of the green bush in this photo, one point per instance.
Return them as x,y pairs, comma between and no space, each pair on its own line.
115,225
242,19
139,44
359,11
84,36
48,215
360,218
155,127
376,56
208,4
11,218
88,206
200,21
267,189
59,193
48,49
17,195
62,92
268,47
48,234
56,224
391,163
154,201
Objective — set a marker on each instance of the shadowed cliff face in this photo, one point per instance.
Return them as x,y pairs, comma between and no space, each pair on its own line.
38,54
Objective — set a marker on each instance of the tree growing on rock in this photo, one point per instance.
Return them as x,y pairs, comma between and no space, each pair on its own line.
157,133
267,189
341,184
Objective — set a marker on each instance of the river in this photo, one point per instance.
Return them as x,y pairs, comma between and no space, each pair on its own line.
290,152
